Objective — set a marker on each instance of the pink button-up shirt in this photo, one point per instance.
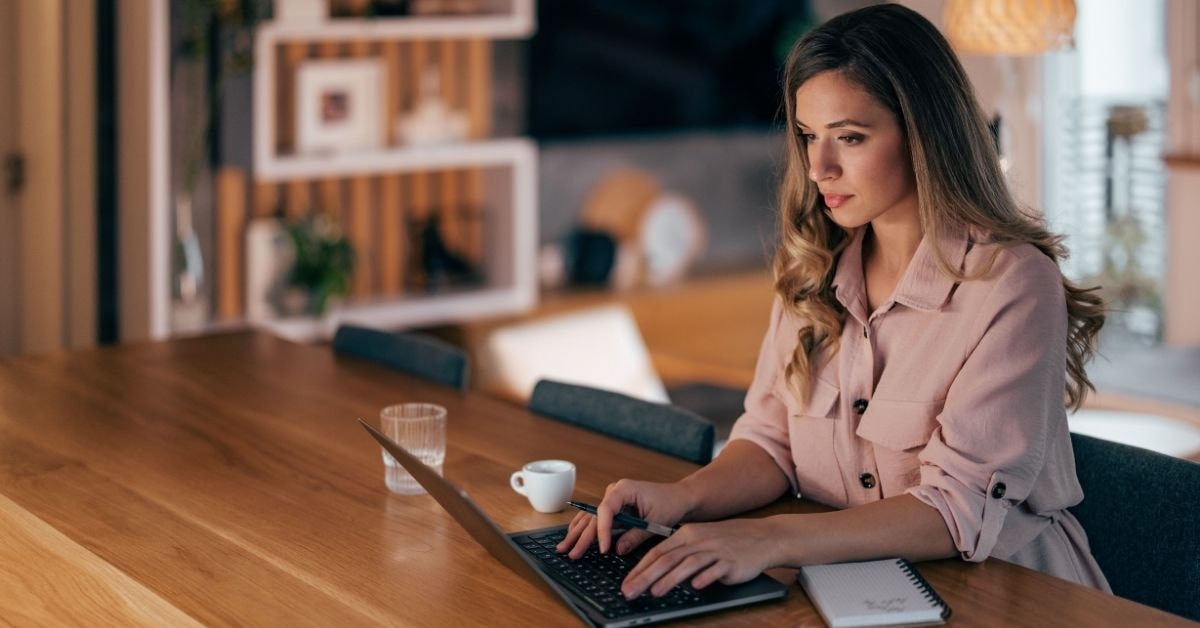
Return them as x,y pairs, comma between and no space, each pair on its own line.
950,392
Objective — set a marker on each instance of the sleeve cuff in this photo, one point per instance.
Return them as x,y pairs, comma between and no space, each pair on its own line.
781,456
973,518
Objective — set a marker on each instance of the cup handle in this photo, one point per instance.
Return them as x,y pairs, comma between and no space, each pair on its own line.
518,482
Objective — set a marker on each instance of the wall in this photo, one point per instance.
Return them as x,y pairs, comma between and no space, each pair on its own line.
1182,299
142,194
730,175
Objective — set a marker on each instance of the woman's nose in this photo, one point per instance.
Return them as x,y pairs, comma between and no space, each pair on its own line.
822,164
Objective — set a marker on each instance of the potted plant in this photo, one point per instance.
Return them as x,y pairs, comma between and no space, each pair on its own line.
324,260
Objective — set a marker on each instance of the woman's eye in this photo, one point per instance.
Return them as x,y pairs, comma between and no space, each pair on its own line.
807,137
851,139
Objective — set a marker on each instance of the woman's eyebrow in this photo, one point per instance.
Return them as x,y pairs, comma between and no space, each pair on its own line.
839,124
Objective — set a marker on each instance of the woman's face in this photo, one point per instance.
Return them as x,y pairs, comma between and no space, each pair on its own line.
856,152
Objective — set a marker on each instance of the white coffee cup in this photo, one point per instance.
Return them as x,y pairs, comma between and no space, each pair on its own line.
547,483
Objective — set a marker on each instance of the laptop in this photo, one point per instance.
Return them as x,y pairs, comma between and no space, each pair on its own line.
588,587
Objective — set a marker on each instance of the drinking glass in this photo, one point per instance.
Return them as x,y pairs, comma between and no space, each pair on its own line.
420,428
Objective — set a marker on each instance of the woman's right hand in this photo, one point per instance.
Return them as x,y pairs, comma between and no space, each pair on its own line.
666,504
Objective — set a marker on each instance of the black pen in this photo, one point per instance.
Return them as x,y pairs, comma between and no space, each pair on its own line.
629,520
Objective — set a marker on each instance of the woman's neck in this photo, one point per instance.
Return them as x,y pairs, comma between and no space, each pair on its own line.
889,245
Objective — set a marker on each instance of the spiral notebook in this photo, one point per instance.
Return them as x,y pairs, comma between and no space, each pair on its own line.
887,592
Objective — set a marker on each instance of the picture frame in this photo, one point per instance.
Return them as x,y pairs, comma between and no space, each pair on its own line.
338,105
305,11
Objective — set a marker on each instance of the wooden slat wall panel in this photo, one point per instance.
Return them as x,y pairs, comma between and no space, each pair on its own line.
361,209
449,197
266,199
392,246
473,199
478,75
362,236
449,209
299,199
390,52
420,195
448,71
479,88
291,55
419,208
231,222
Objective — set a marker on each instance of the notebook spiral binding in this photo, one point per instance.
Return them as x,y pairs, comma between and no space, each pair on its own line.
917,579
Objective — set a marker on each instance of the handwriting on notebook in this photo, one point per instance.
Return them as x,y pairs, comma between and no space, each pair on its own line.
891,605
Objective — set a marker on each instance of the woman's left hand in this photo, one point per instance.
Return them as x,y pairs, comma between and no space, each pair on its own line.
730,551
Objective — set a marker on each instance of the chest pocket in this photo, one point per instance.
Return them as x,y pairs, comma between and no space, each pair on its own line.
811,434
822,402
898,431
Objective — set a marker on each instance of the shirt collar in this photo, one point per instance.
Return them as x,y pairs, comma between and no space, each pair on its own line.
848,281
924,286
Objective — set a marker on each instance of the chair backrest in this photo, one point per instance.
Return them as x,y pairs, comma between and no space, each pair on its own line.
416,354
1141,512
658,426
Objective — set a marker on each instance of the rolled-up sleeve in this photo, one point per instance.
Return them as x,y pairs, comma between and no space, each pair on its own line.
765,420
990,442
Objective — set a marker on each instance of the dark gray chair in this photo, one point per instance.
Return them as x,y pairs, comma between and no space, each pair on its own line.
720,404
417,354
661,427
1141,512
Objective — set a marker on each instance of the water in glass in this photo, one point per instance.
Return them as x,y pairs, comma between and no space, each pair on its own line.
420,428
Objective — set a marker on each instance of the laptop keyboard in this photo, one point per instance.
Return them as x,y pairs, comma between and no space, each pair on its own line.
597,577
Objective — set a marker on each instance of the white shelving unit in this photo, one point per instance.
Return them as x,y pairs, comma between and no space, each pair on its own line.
518,23
511,176
487,153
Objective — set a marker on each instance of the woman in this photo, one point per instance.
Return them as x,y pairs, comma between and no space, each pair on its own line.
923,337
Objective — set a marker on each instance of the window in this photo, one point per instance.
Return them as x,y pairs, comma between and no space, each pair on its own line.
1105,183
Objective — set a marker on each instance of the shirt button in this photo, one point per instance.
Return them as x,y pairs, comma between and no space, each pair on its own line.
867,480
998,490
860,405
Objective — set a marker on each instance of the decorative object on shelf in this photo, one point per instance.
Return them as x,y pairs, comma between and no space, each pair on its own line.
338,105
323,262
590,257
441,267
1010,27
664,230
301,11
190,306
432,121
269,258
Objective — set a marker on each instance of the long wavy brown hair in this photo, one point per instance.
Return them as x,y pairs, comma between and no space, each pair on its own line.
901,59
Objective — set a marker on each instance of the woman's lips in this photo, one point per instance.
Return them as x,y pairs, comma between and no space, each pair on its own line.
834,201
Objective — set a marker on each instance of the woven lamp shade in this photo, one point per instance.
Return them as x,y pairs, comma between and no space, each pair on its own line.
1009,27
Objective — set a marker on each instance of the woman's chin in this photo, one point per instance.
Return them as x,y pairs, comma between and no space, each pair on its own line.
845,219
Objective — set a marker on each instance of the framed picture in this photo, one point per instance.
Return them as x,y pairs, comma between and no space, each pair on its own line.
338,105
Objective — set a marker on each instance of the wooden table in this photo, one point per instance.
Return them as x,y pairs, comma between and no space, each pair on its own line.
223,480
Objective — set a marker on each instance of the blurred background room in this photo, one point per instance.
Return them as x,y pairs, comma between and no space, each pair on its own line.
583,188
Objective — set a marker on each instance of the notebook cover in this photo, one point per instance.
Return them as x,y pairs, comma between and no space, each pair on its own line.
888,592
